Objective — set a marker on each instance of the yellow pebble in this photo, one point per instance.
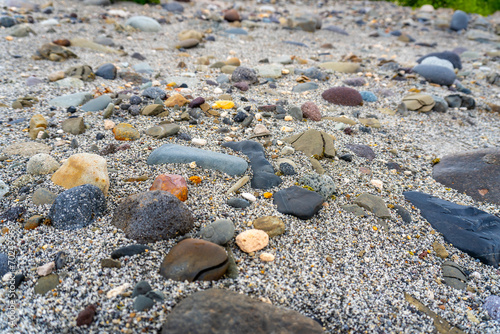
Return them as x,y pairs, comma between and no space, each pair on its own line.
9,38
221,104
375,228
268,195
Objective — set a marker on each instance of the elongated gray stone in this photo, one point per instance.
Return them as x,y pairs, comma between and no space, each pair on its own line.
143,23
172,153
75,99
99,103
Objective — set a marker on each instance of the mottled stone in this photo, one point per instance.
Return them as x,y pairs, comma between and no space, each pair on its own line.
252,240
174,184
272,225
344,96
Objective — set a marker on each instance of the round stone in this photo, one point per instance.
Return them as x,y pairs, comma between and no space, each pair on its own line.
252,240
344,96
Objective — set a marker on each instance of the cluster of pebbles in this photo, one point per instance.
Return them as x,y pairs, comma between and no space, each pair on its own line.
347,268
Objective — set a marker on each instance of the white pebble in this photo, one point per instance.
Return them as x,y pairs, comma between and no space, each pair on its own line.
287,150
378,183
7,277
117,291
217,91
192,164
249,197
199,141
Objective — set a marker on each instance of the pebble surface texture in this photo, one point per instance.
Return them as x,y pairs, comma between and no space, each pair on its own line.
306,122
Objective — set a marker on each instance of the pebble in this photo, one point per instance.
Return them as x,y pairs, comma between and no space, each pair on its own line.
219,232
174,184
143,23
125,131
252,240
272,225
344,96
129,251
41,164
46,269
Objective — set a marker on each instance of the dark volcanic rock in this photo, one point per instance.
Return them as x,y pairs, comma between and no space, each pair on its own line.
77,207
12,214
195,260
477,173
298,202
222,311
263,171
152,216
471,230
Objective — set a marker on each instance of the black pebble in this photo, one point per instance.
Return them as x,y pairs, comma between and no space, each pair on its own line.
346,157
240,117
60,260
18,279
129,251
135,100
71,109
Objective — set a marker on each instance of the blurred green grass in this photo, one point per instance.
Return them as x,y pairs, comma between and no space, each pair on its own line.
483,7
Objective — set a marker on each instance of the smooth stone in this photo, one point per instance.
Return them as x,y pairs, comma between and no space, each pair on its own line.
370,122
311,111
459,21
83,168
295,112
154,92
108,112
343,67
238,203
219,232
141,288
106,71
467,228
436,74
76,99
240,183
188,43
298,202
142,303
364,151
224,311
163,130
152,110
313,143
304,87
252,240
70,82
419,102
155,295
143,23
86,316
174,184
264,176
73,125
194,260
373,204
322,184
450,56
85,43
46,269
125,131
171,153
130,250
152,216
143,68
269,71
438,62
77,207
99,103
440,250
33,81
110,263
343,96
313,73
405,215
46,284
440,104
272,225
475,173
43,196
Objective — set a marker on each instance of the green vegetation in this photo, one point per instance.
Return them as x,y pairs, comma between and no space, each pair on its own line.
483,7
142,2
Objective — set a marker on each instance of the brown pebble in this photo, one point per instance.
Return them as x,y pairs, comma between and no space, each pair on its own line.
86,316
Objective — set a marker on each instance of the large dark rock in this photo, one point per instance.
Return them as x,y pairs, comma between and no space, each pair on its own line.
299,202
77,207
227,312
152,216
263,171
195,260
471,230
477,173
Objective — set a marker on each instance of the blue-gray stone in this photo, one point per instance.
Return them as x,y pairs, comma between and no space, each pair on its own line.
303,87
459,21
299,202
236,31
436,74
155,295
242,73
154,92
287,169
172,153
141,288
263,172
106,71
492,305
77,207
437,61
143,23
364,151
239,203
452,57
7,21
76,99
295,112
469,229
222,79
173,7
336,29
4,264
99,103
142,303
313,73
143,68
440,104
219,232
368,96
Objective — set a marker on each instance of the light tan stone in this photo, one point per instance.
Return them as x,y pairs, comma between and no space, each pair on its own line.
46,269
83,168
267,257
252,240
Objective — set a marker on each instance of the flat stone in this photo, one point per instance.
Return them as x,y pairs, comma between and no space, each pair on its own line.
171,153
85,43
219,232
70,82
343,96
269,71
419,102
73,125
354,209
99,103
436,74
453,275
239,203
304,87
110,263
83,168
373,204
142,303
152,110
46,284
141,288
437,62
467,228
46,269
174,184
440,250
224,311
343,67
76,99
143,23
298,202
130,250
43,196
363,151
77,207
152,216
246,74
106,71
194,260
272,225
313,143
264,176
86,316
252,240
473,172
